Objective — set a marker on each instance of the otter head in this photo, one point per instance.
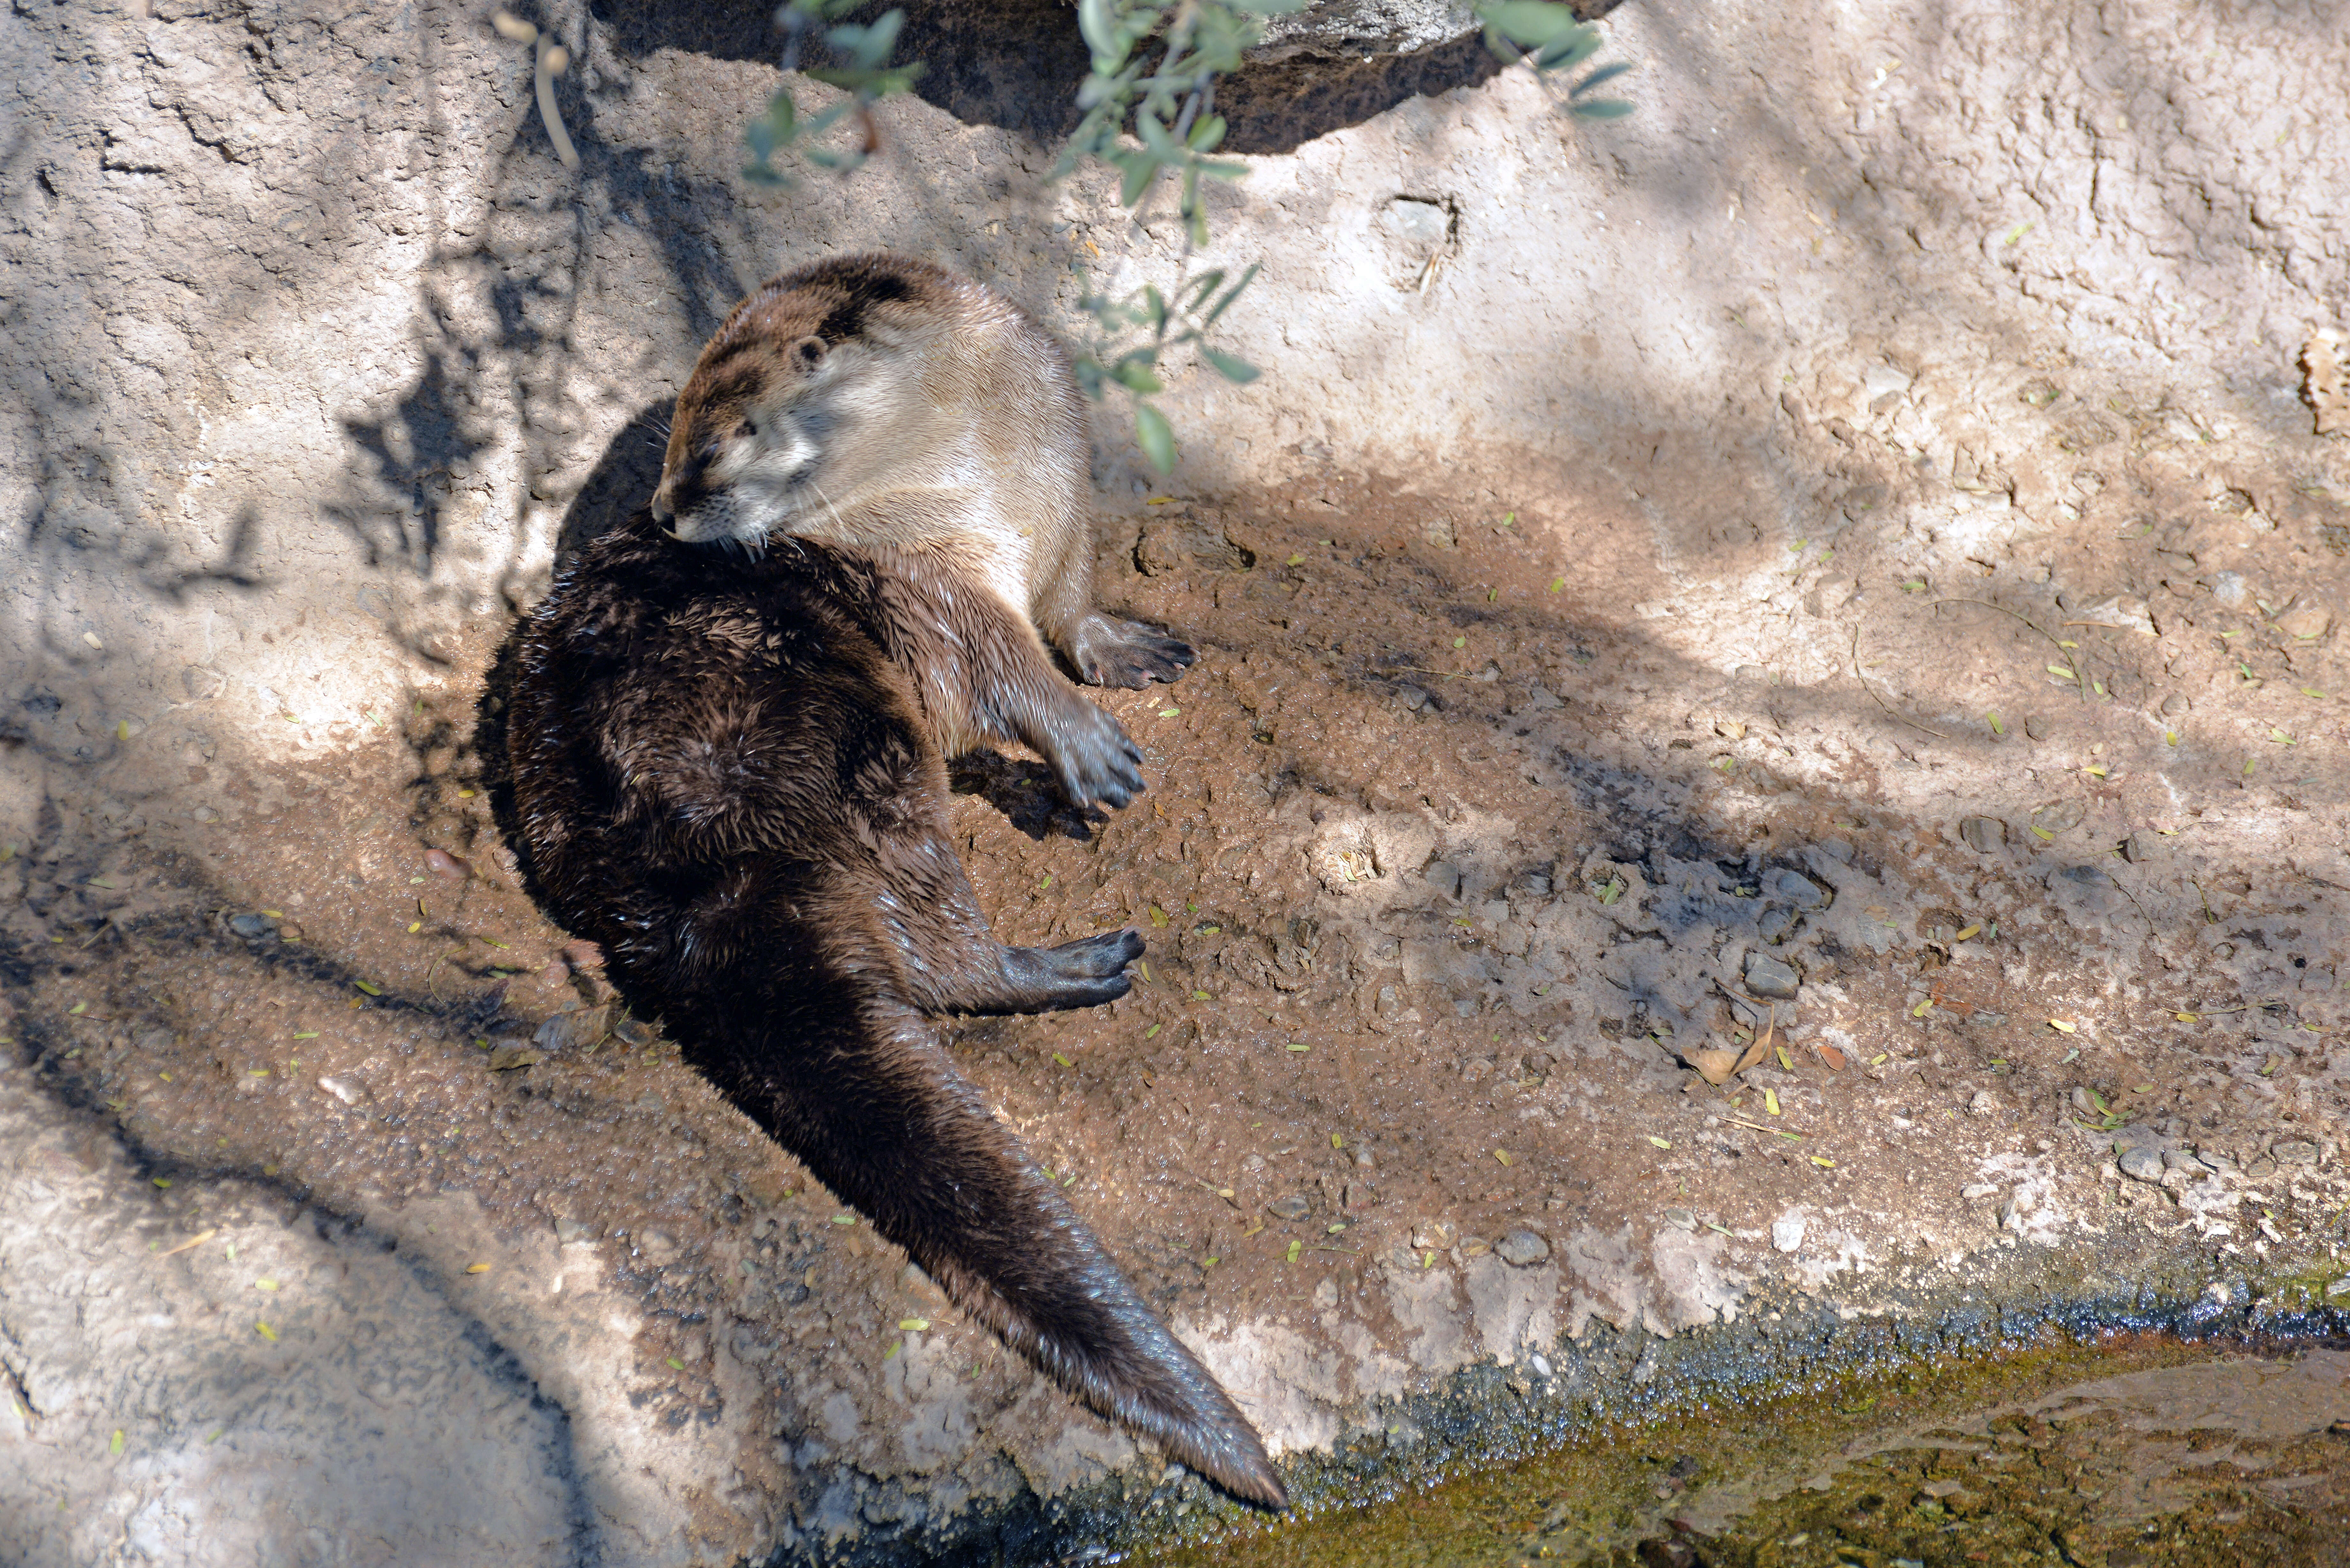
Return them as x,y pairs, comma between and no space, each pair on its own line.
795,404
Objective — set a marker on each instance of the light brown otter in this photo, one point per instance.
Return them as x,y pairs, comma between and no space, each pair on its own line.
877,401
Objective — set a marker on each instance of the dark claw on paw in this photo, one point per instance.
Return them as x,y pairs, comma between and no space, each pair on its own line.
1101,766
1106,954
1130,655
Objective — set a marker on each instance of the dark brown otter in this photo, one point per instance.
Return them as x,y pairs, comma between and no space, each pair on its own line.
726,773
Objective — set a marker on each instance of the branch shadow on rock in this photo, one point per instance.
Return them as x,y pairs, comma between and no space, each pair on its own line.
1017,64
71,1089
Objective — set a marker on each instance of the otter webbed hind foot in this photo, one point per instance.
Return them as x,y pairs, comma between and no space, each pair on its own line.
1127,653
1078,974
1083,973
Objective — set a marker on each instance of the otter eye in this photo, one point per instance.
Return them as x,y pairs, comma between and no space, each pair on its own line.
808,352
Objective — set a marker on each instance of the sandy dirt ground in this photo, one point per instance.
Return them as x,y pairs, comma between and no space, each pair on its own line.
1802,821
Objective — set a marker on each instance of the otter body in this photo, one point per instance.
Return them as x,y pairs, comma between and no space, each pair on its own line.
726,775
880,401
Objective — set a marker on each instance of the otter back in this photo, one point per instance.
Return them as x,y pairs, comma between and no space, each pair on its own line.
726,776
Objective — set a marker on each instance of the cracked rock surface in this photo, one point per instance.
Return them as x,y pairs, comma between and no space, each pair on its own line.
1834,570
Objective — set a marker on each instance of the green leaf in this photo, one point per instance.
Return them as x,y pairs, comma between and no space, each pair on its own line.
1568,51
1139,169
1230,293
1230,366
1155,436
1528,23
1603,74
1133,372
1096,21
1603,108
1154,136
1268,7
1207,134
869,48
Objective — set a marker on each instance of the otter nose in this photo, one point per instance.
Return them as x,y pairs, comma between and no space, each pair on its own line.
662,510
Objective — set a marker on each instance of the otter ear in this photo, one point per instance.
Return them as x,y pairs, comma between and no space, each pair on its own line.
807,353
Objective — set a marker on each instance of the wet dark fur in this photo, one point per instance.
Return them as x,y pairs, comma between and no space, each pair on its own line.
723,773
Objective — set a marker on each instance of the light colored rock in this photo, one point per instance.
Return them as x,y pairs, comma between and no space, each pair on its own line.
1798,889
1984,835
279,421
1883,380
1521,1249
1787,1231
1769,977
2305,621
2122,611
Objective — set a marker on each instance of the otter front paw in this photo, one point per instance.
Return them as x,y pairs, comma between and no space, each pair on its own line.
1127,653
1090,751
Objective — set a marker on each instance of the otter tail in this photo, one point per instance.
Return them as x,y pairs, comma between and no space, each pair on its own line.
856,1082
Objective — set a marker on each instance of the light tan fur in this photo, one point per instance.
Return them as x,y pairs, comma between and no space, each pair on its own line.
881,402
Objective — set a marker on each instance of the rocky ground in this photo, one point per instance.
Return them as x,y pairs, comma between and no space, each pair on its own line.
1767,769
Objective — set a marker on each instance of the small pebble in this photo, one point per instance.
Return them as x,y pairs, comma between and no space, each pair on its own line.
348,1090
2060,816
1521,1249
1787,1232
1766,976
2295,1151
1288,1206
2140,1163
1798,889
249,926
2118,610
1983,833
2306,623
441,862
